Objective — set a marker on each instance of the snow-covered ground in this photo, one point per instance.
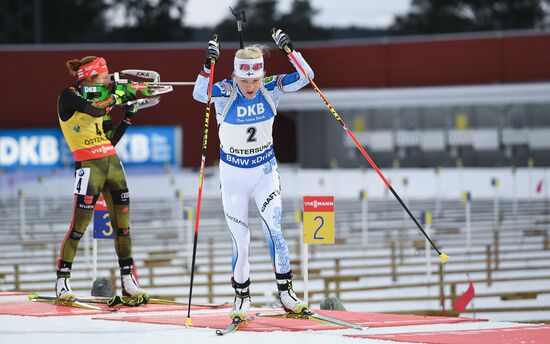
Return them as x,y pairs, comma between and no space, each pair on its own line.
84,329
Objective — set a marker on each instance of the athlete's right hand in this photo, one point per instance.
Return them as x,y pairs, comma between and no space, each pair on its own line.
212,52
130,110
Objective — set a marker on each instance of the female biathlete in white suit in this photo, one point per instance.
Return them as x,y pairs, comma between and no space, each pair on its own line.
246,107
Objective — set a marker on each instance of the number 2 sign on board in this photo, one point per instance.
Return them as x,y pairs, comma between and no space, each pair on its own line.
319,219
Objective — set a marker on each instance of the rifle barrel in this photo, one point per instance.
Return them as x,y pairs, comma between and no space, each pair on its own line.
172,83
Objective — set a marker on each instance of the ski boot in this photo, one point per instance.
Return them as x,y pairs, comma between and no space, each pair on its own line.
241,303
130,287
291,303
63,289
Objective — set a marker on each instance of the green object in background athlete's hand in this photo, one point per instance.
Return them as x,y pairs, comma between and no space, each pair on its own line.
125,92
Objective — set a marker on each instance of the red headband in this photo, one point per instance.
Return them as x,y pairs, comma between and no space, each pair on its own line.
97,66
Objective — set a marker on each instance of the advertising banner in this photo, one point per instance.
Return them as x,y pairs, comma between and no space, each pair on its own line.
46,148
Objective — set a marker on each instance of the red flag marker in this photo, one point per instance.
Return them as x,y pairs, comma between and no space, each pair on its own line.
539,186
463,301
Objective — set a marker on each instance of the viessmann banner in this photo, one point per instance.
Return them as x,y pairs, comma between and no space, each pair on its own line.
43,148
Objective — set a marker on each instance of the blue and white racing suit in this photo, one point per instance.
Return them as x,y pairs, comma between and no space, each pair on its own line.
247,161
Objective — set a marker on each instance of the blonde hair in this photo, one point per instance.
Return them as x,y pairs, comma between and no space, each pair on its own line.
251,52
74,64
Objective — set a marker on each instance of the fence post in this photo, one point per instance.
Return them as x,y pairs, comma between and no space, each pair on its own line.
453,293
180,223
22,215
545,241
16,277
488,258
337,272
401,246
387,238
210,269
467,200
363,195
151,274
496,243
441,287
393,262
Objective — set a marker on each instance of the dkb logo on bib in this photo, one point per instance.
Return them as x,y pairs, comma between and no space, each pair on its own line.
250,110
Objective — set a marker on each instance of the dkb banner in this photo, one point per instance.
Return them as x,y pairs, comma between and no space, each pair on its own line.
46,148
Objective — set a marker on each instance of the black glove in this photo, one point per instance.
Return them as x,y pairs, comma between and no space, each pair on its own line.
129,96
282,40
130,110
212,52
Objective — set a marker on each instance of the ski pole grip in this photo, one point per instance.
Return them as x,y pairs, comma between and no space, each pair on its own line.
286,49
215,39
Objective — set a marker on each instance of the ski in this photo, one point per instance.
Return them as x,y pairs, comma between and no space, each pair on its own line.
171,302
234,326
125,301
309,315
71,302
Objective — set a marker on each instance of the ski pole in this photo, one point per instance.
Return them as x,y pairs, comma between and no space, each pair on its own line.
442,255
188,321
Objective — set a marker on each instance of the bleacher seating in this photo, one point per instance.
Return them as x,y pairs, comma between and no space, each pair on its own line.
506,262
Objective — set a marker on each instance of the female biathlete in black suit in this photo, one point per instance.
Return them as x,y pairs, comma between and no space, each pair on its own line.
83,116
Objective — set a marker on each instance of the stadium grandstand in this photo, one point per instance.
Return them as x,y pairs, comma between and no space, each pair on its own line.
457,123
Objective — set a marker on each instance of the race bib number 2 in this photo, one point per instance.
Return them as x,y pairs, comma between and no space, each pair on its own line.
82,178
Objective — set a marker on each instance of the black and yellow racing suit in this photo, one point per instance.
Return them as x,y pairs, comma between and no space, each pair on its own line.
91,136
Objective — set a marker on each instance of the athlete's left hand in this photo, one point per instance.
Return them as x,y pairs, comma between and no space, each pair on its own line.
123,94
282,40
